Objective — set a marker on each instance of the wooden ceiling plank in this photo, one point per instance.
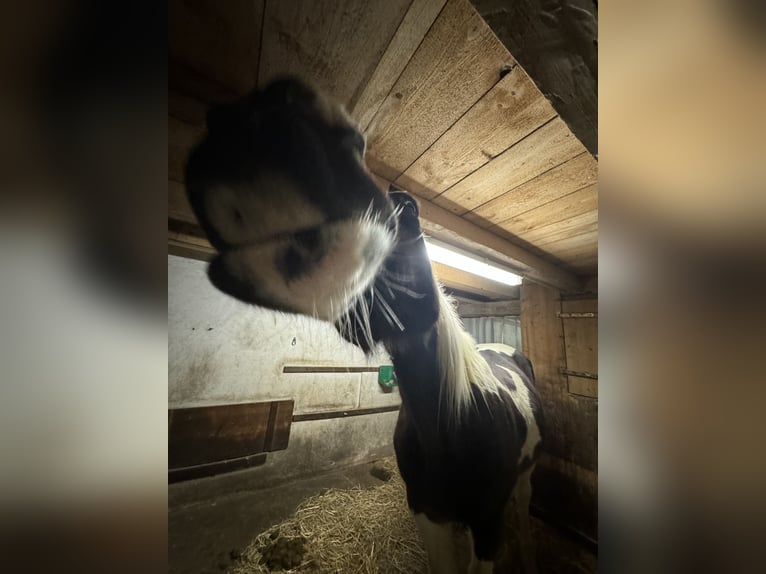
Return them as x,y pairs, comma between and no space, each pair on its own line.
509,112
218,40
575,225
580,171
443,224
573,247
582,201
459,60
547,147
408,36
335,45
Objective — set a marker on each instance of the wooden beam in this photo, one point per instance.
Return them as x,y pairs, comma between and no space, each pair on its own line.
489,309
442,223
464,281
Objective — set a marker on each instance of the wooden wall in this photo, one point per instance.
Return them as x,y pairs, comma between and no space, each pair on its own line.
566,480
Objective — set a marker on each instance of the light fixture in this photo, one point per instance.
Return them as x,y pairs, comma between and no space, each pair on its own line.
441,253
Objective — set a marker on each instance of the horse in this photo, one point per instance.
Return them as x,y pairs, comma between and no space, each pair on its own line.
280,186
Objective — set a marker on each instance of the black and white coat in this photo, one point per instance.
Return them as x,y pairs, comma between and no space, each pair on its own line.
281,188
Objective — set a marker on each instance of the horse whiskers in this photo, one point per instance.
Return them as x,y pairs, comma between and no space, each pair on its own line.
393,276
391,285
388,309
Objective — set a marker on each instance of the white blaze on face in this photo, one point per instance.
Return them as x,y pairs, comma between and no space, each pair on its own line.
276,206
354,252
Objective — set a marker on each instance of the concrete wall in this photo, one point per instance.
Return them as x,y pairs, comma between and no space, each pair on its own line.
221,351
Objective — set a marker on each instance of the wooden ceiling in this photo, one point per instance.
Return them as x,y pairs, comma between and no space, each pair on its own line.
449,115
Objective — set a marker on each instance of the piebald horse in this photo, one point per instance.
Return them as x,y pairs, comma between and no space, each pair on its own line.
280,186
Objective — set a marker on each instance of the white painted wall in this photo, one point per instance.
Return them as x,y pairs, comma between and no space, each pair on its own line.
222,351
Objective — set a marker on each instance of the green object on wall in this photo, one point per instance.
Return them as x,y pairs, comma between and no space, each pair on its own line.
386,376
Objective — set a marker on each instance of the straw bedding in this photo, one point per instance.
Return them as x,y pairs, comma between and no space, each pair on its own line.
351,530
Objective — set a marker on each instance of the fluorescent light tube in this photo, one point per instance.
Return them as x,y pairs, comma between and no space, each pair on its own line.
452,258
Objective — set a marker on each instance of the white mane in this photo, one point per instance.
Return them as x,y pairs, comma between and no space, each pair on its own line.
460,365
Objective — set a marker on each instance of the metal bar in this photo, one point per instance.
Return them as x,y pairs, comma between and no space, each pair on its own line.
343,414
577,315
582,374
289,369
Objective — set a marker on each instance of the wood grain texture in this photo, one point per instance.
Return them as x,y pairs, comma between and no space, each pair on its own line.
413,28
578,172
577,203
458,62
541,333
489,309
203,435
582,386
335,45
575,244
547,147
218,40
561,230
509,112
581,337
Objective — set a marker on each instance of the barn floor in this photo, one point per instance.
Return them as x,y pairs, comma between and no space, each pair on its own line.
207,533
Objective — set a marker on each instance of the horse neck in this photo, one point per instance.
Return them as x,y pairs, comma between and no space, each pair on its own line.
435,370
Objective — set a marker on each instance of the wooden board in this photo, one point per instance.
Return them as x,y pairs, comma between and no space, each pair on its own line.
409,35
489,309
443,224
218,40
462,280
580,341
579,172
581,346
547,147
582,387
509,112
585,264
204,435
573,226
582,201
541,333
458,62
334,44
586,242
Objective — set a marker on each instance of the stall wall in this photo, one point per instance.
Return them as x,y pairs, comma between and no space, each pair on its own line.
223,352
560,338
